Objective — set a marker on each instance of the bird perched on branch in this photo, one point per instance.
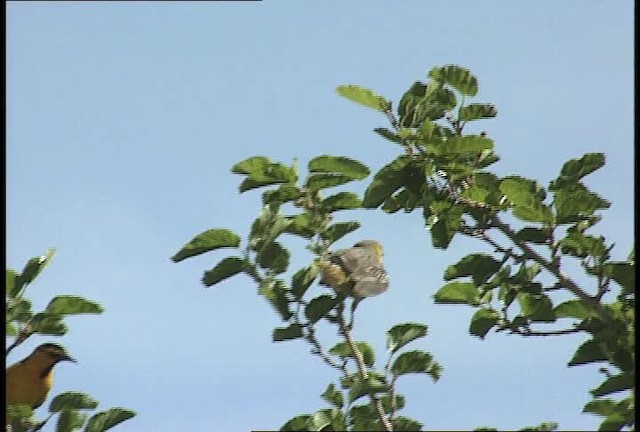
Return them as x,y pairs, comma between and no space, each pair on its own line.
29,380
356,272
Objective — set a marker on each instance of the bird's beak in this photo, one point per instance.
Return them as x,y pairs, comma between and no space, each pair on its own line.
67,358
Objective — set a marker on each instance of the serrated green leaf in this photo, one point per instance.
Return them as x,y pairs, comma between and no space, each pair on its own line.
386,181
276,292
338,230
444,225
574,201
534,235
285,193
69,420
341,201
261,171
476,111
522,192
401,334
406,424
373,385
603,407
457,77
623,273
575,169
339,165
589,352
614,384
573,309
105,420
536,213
458,293
414,362
72,305
536,307
297,424
72,401
274,257
333,396
32,269
19,310
11,288
460,145
580,245
302,280
363,96
226,268
318,307
387,134
320,181
300,225
207,241
46,324
479,266
294,331
482,321
342,349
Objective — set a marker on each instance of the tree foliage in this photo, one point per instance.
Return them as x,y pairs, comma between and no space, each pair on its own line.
533,230
22,323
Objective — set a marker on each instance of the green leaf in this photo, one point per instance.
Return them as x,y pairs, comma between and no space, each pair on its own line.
72,401
457,77
107,419
445,225
297,424
482,321
580,245
573,309
333,396
574,201
325,419
302,280
19,310
342,349
363,96
226,268
458,293
11,330
536,307
373,385
386,181
575,169
276,293
479,266
387,134
341,201
207,241
589,352
534,235
414,362
602,407
294,331
32,269
536,213
623,273
542,427
320,181
285,193
72,305
477,111
614,384
274,257
405,424
69,420
338,230
300,225
319,307
460,145
339,165
46,324
522,192
11,288
261,171
401,334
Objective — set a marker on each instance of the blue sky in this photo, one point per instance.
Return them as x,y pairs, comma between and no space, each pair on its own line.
125,118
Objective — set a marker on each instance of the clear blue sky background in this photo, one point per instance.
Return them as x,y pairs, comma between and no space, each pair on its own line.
123,122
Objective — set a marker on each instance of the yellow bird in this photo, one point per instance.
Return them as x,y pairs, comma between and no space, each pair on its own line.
29,380
356,272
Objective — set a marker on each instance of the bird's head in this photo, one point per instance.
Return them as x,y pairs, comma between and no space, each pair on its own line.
55,352
373,245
